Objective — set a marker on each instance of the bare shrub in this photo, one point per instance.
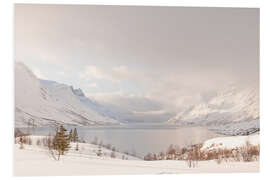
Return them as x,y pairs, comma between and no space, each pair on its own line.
108,146
161,156
148,157
126,152
192,157
249,152
113,154
219,159
21,142
192,154
38,142
245,153
47,142
27,140
190,161
171,152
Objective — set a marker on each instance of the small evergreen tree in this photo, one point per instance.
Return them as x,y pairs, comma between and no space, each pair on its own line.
70,135
99,153
75,135
61,141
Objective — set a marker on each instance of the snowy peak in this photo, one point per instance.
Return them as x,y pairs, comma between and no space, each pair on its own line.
229,106
58,87
45,103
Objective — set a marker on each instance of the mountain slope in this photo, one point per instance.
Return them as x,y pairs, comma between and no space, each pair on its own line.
232,111
45,103
80,97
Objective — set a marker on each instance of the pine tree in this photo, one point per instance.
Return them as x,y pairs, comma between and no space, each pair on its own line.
75,135
61,141
99,151
70,135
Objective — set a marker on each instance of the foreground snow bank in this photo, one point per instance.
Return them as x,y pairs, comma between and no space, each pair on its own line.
36,162
83,149
230,142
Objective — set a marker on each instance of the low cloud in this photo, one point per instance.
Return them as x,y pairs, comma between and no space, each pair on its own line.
144,66
94,72
92,85
115,74
130,102
133,108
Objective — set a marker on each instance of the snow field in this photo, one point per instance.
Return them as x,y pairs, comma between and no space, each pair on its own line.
35,160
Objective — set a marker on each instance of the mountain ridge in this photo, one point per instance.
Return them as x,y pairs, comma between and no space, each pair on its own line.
231,111
38,103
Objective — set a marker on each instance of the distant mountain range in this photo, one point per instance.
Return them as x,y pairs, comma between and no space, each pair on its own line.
231,111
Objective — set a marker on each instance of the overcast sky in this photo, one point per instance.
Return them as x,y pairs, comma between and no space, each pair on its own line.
150,58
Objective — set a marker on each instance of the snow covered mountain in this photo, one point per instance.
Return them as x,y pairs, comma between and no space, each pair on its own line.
47,103
232,111
101,109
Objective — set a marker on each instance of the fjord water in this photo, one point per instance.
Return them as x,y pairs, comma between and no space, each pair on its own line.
140,138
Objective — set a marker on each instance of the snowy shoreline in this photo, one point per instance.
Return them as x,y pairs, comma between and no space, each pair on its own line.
35,161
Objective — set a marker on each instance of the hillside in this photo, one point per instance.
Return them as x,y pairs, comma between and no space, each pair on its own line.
35,160
230,142
50,103
233,111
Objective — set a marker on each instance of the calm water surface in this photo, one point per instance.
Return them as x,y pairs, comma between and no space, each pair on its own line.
140,138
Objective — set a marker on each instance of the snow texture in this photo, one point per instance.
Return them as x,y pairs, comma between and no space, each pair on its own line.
230,142
233,111
45,103
35,161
